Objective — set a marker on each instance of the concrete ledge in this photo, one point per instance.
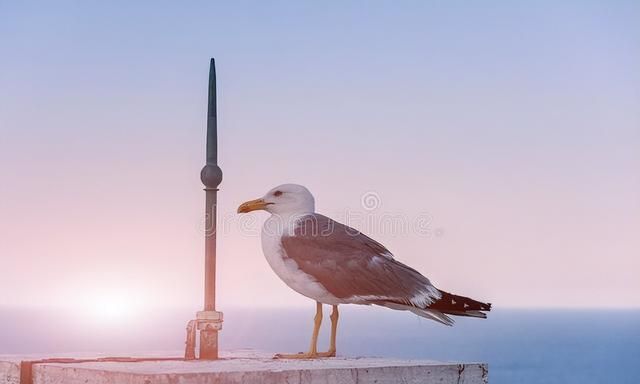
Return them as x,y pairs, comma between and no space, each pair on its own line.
247,368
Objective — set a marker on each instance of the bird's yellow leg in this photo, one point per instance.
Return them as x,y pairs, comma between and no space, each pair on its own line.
317,321
334,330
313,348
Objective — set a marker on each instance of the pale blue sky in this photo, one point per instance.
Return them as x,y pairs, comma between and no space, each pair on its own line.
514,125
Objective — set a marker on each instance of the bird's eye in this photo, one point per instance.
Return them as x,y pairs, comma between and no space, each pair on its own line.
277,193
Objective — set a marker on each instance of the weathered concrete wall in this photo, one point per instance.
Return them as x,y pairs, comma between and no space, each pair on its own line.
254,369
9,372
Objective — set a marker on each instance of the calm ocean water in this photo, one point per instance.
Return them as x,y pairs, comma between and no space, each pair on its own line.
521,346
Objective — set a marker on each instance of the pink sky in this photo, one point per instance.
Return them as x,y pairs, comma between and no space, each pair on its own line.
521,144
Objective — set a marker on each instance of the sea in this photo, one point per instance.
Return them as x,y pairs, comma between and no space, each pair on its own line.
524,346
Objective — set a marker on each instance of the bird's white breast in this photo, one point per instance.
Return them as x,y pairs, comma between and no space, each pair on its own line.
286,268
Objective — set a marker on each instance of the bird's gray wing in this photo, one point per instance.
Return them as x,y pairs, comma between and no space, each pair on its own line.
350,265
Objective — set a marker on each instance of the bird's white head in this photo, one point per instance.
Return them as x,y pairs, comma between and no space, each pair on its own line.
285,199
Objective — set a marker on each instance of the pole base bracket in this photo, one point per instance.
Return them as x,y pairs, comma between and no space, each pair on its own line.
208,323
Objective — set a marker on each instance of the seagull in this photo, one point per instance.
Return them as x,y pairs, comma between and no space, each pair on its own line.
334,264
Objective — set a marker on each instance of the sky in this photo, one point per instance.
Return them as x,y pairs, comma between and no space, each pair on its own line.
494,146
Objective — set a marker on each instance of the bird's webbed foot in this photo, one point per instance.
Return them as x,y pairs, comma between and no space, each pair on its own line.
305,355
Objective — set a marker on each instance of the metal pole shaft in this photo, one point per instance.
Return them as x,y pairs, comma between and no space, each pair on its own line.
211,177
210,250
211,194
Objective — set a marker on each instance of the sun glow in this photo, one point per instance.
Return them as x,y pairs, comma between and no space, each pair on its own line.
109,307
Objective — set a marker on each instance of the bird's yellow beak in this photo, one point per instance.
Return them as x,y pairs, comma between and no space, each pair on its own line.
252,205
